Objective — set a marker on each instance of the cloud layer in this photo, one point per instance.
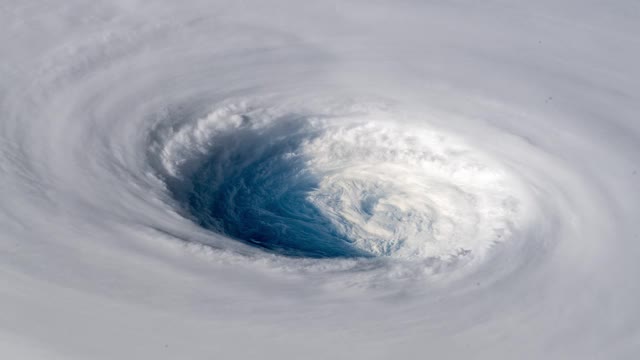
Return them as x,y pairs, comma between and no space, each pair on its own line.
348,180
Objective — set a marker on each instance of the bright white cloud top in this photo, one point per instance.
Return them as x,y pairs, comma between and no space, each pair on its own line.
350,180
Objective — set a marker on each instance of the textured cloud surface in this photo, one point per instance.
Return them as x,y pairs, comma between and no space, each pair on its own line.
350,180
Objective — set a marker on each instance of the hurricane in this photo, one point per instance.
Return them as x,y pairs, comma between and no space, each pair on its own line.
348,180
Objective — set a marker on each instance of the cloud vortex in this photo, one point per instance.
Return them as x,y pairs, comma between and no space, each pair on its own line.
349,180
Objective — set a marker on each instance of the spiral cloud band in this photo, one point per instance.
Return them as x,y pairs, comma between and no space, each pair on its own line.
278,179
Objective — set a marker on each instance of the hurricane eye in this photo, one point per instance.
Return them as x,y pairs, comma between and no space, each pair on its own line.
327,185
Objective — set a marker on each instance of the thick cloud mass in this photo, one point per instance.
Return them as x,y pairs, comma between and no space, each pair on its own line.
357,180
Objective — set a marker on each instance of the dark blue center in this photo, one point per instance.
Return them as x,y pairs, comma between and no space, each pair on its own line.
253,187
